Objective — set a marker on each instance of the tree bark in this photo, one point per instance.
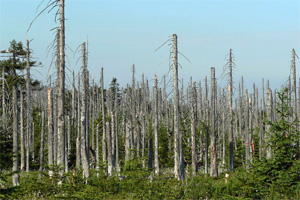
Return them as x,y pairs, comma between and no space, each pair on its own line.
61,89
15,169
42,144
50,129
213,154
84,156
29,107
269,117
110,167
22,132
193,128
294,85
78,139
247,136
156,145
104,155
3,99
230,135
177,148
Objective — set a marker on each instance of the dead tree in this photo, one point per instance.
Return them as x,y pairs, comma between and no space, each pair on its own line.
206,118
230,136
110,167
213,154
247,134
3,99
117,162
294,85
193,106
78,139
42,143
104,155
97,148
177,142
84,157
269,117
29,107
15,169
156,145
50,128
61,88
22,131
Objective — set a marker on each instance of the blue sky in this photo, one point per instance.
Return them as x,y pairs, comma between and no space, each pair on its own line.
121,33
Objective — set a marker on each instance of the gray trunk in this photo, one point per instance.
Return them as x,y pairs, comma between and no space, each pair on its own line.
42,144
156,145
97,148
15,169
22,132
50,128
213,152
294,85
78,139
104,158
247,134
269,117
230,135
3,99
61,89
177,148
29,108
84,157
127,142
117,164
207,125
109,150
193,106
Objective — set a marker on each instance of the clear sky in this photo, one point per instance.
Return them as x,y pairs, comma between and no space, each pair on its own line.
261,33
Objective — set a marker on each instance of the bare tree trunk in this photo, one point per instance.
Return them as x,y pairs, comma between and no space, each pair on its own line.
247,135
32,142
87,112
117,164
269,117
294,85
213,154
15,169
22,132
207,125
78,139
177,148
109,150
50,129
61,89
156,145
133,136
42,143
67,143
103,121
93,113
113,138
29,107
97,148
3,99
127,142
230,135
73,117
84,156
193,128
261,136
